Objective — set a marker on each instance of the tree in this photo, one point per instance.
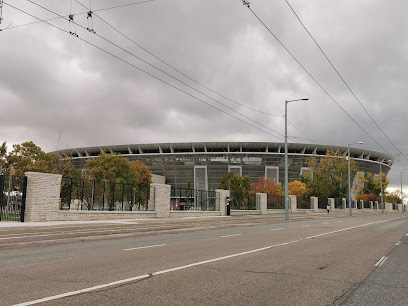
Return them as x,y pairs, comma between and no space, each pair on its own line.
27,156
143,172
368,197
3,158
393,197
236,183
266,186
371,184
297,188
111,168
328,175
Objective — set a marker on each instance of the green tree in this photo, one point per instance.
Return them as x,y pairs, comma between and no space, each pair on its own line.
328,175
111,168
236,183
142,171
371,184
3,158
393,197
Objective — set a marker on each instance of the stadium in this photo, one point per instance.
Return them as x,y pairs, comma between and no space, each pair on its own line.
201,165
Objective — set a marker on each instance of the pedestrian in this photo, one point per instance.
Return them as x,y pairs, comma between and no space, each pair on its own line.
328,208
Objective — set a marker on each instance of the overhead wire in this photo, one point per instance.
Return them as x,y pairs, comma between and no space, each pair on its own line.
168,74
317,82
146,72
186,76
341,77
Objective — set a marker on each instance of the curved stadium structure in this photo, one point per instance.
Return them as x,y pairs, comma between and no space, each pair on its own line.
203,164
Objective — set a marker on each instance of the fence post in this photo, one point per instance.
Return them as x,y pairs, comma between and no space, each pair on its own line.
1,193
315,203
362,204
331,204
23,200
223,200
344,203
293,203
262,198
371,205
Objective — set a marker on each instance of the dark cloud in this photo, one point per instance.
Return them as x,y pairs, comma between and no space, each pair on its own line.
51,81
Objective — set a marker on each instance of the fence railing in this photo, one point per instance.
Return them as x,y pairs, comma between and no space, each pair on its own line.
303,203
82,194
243,201
322,203
193,199
338,203
367,204
12,193
275,202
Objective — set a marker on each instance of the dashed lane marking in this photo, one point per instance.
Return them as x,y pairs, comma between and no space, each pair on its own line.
145,247
230,235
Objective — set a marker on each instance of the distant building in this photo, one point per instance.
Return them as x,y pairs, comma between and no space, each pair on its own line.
202,164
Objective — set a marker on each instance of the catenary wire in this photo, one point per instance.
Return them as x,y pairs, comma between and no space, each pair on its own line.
188,77
341,77
146,72
82,13
166,73
318,84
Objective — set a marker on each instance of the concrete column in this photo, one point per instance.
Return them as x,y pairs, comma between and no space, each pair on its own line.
377,204
400,207
371,205
263,205
361,204
331,204
344,203
222,200
43,196
161,200
315,203
293,203
388,207
355,204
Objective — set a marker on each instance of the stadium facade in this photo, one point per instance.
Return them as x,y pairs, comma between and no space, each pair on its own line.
201,165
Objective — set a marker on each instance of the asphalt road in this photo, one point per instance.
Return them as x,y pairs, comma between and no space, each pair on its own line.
254,260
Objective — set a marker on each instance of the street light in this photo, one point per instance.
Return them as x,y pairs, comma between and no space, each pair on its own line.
382,198
402,196
286,156
349,183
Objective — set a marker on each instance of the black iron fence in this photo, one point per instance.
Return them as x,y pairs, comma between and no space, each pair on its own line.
303,203
338,203
275,202
81,194
243,201
12,197
322,203
193,199
367,204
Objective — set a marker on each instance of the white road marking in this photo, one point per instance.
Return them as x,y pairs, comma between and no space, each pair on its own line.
145,247
277,229
398,243
378,262
127,280
230,235
382,262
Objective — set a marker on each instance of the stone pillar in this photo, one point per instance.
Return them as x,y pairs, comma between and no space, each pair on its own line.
331,204
399,207
262,204
315,203
361,204
344,203
161,194
293,203
222,200
377,204
43,196
355,204
388,207
371,205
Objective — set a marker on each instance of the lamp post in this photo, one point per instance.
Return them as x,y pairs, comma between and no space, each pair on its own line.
349,183
286,156
402,195
382,198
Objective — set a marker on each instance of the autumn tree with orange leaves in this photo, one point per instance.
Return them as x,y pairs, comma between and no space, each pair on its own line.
266,186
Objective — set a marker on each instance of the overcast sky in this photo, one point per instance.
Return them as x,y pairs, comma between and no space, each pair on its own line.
51,81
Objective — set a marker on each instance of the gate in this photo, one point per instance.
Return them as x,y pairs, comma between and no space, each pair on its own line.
12,197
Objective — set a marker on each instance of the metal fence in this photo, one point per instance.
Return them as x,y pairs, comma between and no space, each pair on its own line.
243,201
81,194
322,203
275,202
338,203
193,199
366,204
303,203
12,197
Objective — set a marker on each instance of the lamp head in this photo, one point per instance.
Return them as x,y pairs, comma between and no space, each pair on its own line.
360,142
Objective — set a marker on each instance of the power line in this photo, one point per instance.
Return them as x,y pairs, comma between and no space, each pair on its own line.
134,66
82,13
341,77
151,65
315,80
